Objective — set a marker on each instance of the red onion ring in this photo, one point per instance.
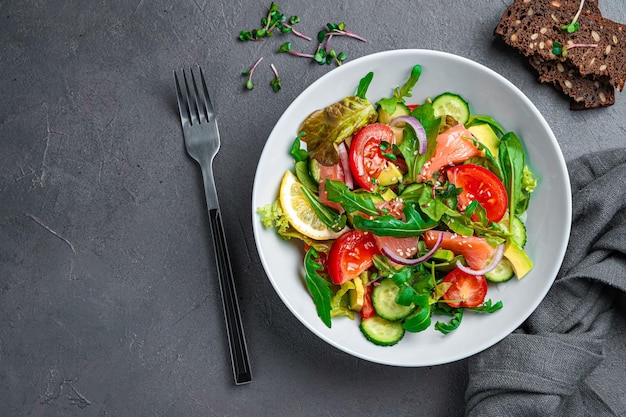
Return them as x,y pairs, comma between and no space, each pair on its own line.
394,257
417,128
495,260
345,164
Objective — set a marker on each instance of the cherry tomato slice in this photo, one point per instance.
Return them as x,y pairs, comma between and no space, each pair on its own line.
482,185
350,255
466,290
366,158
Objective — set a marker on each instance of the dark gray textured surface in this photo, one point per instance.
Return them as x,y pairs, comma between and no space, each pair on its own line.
107,306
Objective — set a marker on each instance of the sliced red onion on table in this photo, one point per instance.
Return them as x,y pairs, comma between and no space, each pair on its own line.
417,128
495,260
345,164
394,257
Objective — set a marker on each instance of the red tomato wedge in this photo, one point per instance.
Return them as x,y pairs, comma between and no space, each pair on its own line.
465,290
334,172
366,158
482,185
451,148
350,255
476,250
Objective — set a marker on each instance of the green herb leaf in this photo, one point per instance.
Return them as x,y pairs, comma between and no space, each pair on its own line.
420,320
415,224
407,88
302,172
328,216
512,161
318,286
487,307
425,114
452,325
296,150
364,85
352,202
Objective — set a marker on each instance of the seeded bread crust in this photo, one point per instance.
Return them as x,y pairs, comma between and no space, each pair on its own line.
532,27
585,92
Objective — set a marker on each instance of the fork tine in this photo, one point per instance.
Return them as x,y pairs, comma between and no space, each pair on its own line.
200,96
192,97
207,99
183,108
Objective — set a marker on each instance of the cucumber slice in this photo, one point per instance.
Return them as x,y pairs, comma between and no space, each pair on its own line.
452,105
518,231
502,272
382,332
384,301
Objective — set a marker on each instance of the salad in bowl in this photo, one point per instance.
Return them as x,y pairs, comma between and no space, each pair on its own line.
409,215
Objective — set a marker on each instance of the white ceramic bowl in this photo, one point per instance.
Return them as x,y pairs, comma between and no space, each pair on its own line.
548,220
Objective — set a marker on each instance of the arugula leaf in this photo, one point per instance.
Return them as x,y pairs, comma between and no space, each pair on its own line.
512,161
339,192
452,325
425,114
433,206
296,151
487,307
364,85
389,104
415,224
318,286
407,89
328,216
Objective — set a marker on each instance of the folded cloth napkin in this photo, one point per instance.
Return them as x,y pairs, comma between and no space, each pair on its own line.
540,369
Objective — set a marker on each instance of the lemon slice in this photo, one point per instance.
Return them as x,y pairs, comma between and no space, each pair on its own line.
300,213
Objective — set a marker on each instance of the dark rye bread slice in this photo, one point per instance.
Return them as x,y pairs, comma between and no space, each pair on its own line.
585,92
532,27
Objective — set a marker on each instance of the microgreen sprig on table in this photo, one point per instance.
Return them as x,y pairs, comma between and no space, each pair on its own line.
324,55
274,20
275,83
248,73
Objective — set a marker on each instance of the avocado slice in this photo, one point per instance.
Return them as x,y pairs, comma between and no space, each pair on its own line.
485,135
520,261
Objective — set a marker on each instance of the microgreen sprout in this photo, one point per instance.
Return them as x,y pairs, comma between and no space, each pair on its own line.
274,20
326,55
275,83
286,48
249,84
573,26
557,48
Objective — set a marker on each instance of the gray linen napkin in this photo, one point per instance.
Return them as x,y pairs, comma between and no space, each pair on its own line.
540,369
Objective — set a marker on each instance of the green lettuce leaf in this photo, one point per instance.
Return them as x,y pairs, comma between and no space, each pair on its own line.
324,129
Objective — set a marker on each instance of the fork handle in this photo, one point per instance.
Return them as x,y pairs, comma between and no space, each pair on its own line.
234,327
